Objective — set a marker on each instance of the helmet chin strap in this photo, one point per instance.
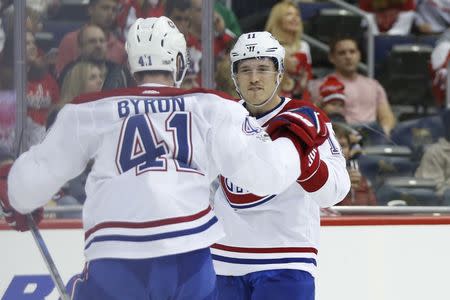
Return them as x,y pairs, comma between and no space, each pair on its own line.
265,101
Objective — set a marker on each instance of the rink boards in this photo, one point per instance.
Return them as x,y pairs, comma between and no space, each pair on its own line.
373,258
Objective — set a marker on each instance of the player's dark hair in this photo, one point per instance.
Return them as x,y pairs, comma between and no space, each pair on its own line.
236,64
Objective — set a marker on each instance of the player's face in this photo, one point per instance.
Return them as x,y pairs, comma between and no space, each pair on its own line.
346,57
256,79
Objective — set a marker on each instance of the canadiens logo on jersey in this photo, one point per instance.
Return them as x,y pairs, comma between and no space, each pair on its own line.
250,126
239,198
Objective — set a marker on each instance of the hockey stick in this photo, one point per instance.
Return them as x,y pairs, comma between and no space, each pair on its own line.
47,258
21,109
40,243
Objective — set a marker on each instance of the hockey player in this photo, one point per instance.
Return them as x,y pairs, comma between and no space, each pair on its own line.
271,243
156,148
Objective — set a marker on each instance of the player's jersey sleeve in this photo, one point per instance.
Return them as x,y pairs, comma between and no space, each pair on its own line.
39,173
244,153
338,183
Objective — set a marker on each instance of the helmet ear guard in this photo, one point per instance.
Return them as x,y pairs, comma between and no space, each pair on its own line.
181,67
156,44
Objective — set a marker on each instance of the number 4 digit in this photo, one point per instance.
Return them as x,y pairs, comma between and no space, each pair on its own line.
139,148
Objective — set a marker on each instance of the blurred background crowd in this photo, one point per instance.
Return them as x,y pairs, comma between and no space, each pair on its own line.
378,68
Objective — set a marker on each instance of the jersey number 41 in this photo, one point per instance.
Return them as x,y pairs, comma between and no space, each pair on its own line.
139,147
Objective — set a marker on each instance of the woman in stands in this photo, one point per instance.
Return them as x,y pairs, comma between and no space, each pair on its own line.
84,77
286,26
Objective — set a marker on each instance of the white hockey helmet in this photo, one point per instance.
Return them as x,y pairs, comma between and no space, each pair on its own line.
254,45
156,44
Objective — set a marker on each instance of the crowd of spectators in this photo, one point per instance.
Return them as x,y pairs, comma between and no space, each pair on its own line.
91,57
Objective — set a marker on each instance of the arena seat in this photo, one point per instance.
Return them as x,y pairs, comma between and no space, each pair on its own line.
406,75
414,191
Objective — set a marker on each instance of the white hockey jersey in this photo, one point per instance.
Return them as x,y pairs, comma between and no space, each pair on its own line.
155,150
276,231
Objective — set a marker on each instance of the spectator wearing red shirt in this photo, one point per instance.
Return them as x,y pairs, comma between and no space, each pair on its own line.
42,94
102,13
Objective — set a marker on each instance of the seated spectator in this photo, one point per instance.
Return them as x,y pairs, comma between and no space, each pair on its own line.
83,77
186,14
229,18
131,10
223,37
332,99
92,45
286,26
394,17
42,93
33,21
332,93
432,16
435,163
179,11
103,14
361,192
366,102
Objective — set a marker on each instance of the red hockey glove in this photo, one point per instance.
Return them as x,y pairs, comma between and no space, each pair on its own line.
314,172
304,123
307,131
14,219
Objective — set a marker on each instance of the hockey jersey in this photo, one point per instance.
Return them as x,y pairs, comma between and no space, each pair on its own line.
155,152
276,231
